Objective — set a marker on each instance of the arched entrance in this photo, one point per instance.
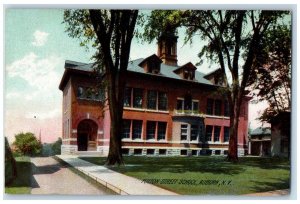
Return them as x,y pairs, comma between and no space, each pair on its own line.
87,135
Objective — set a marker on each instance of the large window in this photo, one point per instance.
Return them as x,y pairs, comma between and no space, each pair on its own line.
151,102
184,132
127,97
157,100
126,129
226,134
208,133
91,93
217,130
151,126
194,132
187,105
209,107
137,98
180,104
161,131
195,106
162,101
137,129
218,107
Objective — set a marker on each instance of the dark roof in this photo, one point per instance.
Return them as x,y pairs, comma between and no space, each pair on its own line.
261,131
216,71
134,66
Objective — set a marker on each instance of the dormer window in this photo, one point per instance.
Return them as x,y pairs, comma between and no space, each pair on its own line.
151,64
186,71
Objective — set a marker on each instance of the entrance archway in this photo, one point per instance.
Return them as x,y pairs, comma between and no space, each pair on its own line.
86,135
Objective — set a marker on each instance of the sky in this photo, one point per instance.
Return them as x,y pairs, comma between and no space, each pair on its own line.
36,46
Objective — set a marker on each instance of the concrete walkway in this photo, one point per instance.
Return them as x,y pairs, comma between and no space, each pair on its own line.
119,183
285,192
50,177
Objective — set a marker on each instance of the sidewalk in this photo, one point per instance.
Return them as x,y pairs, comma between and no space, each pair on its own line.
285,192
119,183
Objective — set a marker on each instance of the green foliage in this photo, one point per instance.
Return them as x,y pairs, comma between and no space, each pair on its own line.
245,176
22,183
56,146
27,144
51,149
10,164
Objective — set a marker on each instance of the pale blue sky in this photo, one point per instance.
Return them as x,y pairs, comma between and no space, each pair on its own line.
36,47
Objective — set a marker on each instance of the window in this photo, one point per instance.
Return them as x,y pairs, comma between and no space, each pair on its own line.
126,129
137,98
125,151
162,151
150,151
217,152
194,132
161,132
188,102
127,97
209,107
194,152
218,107
151,126
183,152
162,101
208,133
226,108
217,130
137,129
180,104
226,134
151,102
184,132
137,151
195,106
80,92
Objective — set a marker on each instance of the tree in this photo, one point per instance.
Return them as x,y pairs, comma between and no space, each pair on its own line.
27,144
233,41
111,32
273,76
56,146
10,164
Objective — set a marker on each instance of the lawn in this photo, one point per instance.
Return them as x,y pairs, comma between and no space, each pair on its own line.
207,175
21,185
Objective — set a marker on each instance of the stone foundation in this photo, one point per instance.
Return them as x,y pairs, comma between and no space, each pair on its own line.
68,149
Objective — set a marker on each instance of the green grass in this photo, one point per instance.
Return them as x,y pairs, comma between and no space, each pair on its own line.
21,184
198,175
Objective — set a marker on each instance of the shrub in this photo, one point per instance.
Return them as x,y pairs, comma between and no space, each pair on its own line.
10,164
27,144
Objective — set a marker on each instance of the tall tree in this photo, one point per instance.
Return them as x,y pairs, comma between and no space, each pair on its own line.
111,32
233,41
273,76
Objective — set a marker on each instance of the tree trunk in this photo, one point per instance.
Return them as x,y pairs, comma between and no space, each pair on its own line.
234,123
115,150
116,100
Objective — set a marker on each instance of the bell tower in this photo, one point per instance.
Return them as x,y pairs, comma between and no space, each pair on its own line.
167,48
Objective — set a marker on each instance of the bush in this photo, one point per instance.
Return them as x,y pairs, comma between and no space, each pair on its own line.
27,144
52,148
10,164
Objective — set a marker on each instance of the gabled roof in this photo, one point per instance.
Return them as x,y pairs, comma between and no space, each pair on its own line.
134,66
188,65
216,71
153,57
